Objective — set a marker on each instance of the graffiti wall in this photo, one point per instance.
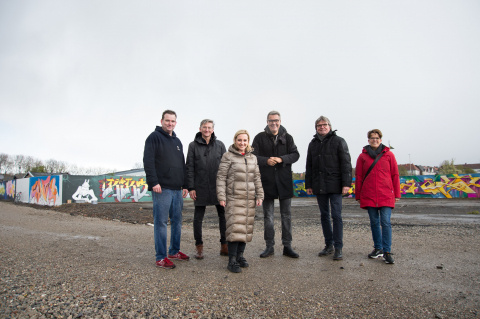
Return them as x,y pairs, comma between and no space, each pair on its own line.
80,189
441,186
23,189
129,188
45,190
423,186
7,190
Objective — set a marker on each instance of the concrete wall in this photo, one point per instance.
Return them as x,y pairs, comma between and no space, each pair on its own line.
23,187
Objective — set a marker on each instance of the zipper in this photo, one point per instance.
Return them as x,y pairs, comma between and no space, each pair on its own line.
246,180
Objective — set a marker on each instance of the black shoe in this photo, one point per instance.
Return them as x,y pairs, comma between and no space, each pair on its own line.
242,262
267,252
289,252
326,251
376,253
338,254
233,266
388,258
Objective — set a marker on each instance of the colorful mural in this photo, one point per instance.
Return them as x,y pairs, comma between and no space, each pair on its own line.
45,190
2,190
10,190
118,188
423,186
441,186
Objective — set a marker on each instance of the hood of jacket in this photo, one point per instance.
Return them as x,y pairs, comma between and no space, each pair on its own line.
160,130
199,139
329,134
233,150
282,133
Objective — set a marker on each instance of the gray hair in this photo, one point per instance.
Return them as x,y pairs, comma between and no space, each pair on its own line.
324,119
274,113
205,121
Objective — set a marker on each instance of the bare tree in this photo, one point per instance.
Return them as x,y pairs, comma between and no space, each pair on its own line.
19,164
138,165
5,163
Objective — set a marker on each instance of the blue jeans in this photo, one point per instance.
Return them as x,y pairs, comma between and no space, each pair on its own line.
168,203
382,239
332,236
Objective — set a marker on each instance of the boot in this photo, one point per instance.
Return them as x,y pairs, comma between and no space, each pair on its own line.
326,251
267,252
289,252
224,250
241,260
338,254
233,266
198,252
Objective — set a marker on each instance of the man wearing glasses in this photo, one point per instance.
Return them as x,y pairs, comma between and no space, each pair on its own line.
276,152
329,176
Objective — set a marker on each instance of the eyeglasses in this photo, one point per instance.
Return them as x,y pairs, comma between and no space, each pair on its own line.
322,125
374,138
273,121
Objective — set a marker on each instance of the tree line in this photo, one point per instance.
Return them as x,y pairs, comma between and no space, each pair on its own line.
21,164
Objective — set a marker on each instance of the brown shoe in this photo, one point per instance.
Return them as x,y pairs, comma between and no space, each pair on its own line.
224,250
198,252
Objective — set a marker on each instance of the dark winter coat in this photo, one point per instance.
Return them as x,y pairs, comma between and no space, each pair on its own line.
202,166
276,180
329,166
163,161
382,184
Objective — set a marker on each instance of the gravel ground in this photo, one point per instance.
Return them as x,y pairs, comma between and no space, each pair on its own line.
62,264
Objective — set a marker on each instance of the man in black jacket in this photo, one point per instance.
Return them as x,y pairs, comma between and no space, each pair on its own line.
203,160
165,170
276,152
329,176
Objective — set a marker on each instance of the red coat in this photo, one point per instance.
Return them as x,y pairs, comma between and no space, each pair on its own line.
382,184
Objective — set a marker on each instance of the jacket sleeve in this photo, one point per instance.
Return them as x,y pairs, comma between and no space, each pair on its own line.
293,154
222,177
359,177
191,166
149,162
345,163
308,168
258,182
395,176
261,160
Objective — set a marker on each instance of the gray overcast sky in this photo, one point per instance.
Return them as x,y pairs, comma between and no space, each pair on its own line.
86,81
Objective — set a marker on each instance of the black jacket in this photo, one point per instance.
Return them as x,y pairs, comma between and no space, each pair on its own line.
202,166
276,180
163,161
329,166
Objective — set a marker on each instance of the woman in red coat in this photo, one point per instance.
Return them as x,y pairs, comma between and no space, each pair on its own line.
378,191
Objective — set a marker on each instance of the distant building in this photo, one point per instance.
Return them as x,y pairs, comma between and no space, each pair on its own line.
475,167
412,169
427,170
130,172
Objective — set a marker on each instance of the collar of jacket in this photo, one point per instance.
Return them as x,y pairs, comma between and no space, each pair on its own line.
329,134
385,149
282,134
200,140
236,152
160,130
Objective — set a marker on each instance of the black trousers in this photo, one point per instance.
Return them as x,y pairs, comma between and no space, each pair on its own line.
198,222
235,247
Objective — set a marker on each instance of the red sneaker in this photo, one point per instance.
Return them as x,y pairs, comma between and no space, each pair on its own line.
179,256
165,263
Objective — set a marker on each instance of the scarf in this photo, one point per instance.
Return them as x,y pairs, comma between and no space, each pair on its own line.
374,153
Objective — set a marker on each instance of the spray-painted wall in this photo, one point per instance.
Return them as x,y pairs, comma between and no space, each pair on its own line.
105,189
423,186
46,190
7,190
